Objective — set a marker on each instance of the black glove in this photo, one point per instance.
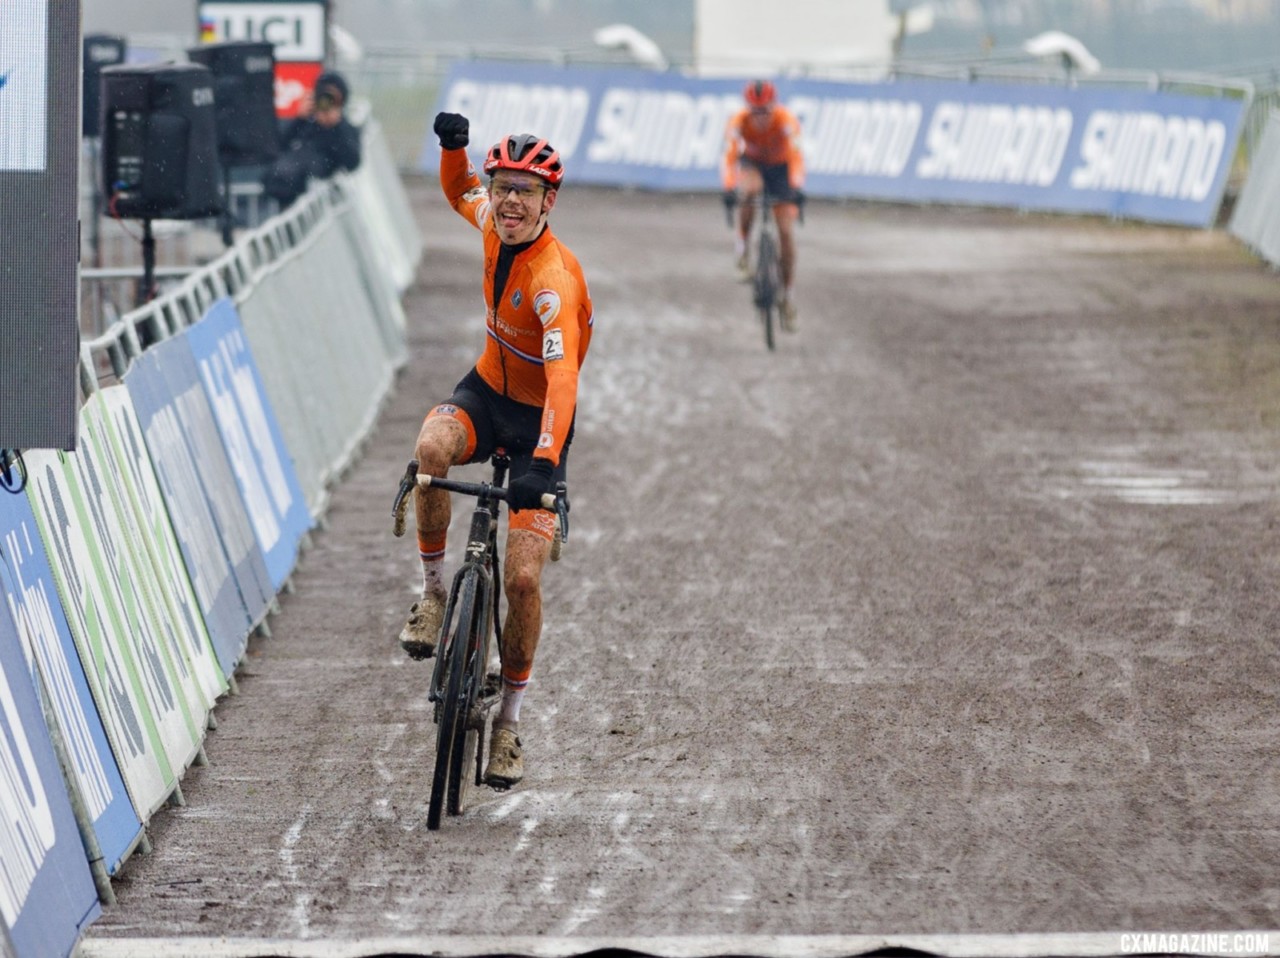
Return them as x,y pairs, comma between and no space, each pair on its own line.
453,130
798,198
527,491
729,198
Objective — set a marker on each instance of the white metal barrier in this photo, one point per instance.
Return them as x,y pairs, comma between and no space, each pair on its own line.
318,288
1256,218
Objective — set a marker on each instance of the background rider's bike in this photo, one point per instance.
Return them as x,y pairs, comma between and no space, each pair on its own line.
766,257
463,689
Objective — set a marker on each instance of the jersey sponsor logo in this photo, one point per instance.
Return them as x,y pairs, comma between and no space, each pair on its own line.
552,345
546,303
545,441
478,193
517,298
445,409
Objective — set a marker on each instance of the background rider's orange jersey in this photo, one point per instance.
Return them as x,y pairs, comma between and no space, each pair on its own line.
539,332
769,144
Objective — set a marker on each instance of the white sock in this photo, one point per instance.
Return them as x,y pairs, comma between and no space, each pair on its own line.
432,577
739,245
509,714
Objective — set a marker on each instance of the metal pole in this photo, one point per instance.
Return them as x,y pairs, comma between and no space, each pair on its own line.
148,263
92,850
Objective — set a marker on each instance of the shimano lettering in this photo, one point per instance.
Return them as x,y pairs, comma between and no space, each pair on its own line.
669,129
857,137
558,113
995,143
1151,154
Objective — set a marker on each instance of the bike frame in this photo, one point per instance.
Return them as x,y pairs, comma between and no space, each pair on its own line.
472,621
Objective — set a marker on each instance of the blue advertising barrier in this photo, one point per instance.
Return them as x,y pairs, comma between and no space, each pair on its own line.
31,597
1139,154
263,471
47,896
226,567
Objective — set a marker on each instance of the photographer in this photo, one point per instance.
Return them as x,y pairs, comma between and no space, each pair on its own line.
319,143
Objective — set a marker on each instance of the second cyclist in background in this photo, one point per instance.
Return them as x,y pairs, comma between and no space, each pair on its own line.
763,152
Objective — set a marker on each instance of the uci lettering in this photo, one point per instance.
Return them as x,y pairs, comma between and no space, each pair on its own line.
296,29
284,31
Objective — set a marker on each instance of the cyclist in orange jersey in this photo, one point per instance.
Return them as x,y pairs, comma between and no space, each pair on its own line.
520,396
762,152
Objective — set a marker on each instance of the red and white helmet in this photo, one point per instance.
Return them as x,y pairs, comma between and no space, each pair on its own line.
760,93
527,153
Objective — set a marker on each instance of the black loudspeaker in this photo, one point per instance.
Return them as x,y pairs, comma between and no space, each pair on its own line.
100,50
244,86
160,142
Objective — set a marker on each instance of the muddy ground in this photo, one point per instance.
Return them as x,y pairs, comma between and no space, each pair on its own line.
955,615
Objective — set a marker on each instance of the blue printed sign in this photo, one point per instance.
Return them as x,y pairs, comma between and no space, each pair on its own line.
47,896
31,598
1140,154
251,435
225,565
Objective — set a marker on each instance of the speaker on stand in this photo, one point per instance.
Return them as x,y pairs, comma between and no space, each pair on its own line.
100,50
159,148
244,85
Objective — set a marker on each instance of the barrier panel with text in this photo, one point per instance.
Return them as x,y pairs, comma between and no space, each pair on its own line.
263,470
1141,154
32,600
210,520
47,895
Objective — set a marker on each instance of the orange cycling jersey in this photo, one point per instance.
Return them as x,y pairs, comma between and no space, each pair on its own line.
539,330
770,139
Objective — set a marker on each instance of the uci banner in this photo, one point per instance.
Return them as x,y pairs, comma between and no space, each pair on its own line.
1137,154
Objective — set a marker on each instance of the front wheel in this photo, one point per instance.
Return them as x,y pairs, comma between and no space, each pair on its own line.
768,285
451,723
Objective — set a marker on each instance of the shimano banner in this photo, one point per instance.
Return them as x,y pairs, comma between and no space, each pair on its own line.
1137,154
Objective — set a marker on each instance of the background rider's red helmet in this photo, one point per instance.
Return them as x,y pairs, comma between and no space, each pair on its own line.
760,93
528,153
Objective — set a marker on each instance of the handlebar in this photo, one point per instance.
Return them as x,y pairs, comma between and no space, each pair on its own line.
764,201
479,489
557,503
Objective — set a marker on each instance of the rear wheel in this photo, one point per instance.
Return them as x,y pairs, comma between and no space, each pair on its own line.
452,712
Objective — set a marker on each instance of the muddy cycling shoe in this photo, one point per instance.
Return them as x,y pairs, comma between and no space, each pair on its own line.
743,268
506,759
419,636
787,313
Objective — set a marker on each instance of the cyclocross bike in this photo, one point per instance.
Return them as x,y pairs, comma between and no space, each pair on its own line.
766,278
463,690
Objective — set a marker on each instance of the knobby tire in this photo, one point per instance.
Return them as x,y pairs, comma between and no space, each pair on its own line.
466,740
453,715
767,282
